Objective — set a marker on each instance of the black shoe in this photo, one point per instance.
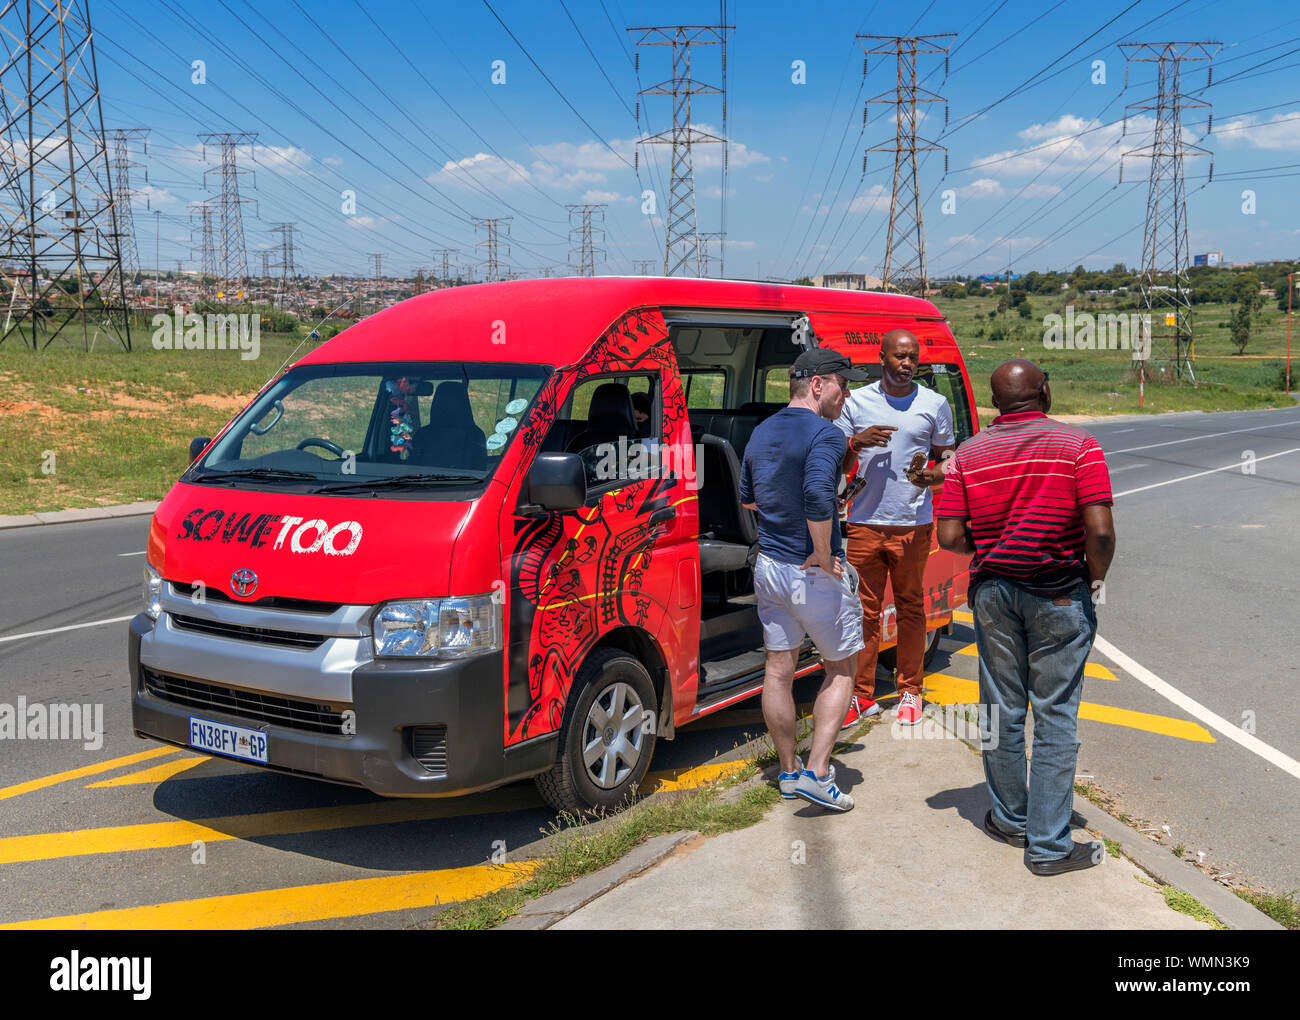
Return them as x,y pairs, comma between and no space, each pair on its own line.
1084,855
1016,839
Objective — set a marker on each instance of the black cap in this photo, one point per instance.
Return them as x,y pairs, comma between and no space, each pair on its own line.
824,361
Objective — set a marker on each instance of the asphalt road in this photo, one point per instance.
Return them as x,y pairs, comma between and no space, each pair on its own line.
1201,606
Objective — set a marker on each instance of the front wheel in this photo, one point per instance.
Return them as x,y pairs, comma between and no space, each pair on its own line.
608,735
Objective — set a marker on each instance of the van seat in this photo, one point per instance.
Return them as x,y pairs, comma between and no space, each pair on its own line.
728,531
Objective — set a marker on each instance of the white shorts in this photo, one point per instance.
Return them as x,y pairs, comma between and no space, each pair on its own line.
793,602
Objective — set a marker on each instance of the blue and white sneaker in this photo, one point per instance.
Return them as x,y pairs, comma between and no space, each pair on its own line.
786,781
822,791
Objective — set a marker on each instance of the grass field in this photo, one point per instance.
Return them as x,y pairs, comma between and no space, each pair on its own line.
1102,382
91,429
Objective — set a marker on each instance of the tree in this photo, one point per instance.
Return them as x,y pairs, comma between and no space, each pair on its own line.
1241,327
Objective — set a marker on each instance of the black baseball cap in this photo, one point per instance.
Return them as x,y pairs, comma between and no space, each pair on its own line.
824,361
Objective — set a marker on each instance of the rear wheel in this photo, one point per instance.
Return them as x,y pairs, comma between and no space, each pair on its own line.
607,738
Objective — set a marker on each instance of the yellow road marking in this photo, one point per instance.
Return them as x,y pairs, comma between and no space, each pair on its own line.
85,770
1100,672
963,616
689,778
943,689
157,835
1093,669
1184,729
296,904
154,775
160,835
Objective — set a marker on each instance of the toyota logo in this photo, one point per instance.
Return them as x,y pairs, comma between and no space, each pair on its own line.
243,582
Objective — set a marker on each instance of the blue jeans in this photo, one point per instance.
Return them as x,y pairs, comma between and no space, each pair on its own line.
1032,652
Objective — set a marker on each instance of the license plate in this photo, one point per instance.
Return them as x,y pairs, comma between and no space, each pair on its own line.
231,741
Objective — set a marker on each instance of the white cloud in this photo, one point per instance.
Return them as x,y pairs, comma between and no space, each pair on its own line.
552,177
154,196
1067,144
874,199
1281,132
488,169
601,196
283,159
588,155
333,160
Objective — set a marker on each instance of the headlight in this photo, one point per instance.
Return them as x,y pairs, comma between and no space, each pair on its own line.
451,628
152,592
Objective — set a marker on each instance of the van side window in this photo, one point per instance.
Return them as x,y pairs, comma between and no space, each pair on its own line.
607,420
947,379
705,391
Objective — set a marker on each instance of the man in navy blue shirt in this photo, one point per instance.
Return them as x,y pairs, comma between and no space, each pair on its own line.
803,587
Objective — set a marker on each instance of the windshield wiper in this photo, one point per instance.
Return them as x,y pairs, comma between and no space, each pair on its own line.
262,472
397,481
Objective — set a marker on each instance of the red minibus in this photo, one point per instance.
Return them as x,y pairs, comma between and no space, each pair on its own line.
493,532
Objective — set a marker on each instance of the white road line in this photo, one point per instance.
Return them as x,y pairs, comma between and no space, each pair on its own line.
1194,708
140,553
59,630
1128,467
1202,474
1118,431
1207,435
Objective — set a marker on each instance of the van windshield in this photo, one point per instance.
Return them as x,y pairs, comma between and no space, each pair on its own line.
409,429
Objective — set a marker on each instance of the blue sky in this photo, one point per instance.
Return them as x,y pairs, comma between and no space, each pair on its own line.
394,102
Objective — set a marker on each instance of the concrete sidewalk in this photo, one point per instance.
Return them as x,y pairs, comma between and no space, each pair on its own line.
911,854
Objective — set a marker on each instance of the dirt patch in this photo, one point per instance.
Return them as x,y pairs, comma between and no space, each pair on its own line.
219,402
120,400
14,407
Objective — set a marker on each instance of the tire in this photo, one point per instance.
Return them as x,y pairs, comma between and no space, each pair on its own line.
594,770
889,657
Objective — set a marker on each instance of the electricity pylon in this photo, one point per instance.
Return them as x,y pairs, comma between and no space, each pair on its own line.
232,253
1166,292
682,252
492,227
904,267
585,234
60,235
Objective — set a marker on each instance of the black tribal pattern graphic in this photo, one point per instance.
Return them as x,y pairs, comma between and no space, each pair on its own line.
576,575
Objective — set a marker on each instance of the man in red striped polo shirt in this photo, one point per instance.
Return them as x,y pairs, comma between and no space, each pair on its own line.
1030,498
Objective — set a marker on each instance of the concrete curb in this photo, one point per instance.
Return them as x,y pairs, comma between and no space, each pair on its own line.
99,513
543,912
1157,861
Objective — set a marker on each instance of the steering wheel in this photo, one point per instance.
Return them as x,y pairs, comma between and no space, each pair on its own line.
333,448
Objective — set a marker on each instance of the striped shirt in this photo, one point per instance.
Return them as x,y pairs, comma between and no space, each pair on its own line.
1022,483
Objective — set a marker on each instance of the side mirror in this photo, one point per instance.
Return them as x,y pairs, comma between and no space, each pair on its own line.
557,481
197,445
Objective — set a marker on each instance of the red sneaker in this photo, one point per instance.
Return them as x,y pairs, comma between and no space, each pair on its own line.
860,708
909,709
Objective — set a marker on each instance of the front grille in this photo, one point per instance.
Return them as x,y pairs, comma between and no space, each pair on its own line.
290,713
269,602
264,635
428,746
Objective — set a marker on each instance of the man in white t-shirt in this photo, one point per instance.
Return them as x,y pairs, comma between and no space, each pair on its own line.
894,427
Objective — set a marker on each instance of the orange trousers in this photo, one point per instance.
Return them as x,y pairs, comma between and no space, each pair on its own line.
897,554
